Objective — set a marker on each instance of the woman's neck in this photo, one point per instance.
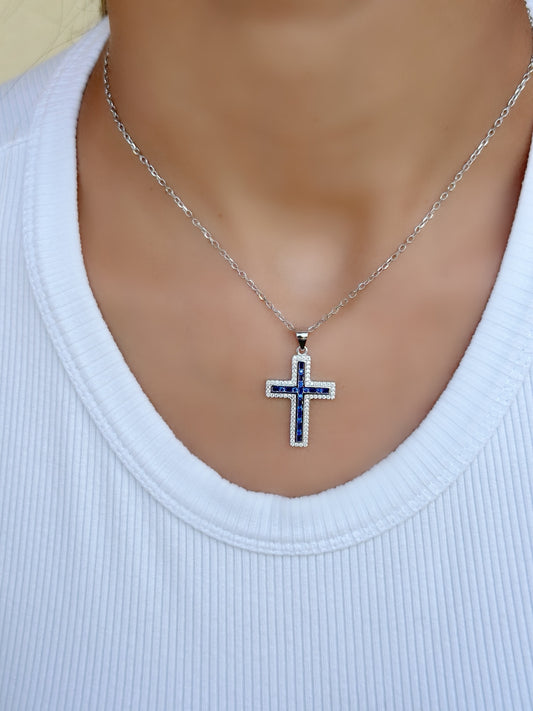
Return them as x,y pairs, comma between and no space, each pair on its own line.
323,106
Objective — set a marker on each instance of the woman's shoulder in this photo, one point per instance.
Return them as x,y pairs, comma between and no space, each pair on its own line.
20,96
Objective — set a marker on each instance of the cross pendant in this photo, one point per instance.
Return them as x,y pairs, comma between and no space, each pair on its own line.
300,389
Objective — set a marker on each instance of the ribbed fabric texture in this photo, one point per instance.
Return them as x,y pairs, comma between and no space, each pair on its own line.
132,576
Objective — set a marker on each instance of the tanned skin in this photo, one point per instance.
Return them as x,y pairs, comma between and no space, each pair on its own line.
310,136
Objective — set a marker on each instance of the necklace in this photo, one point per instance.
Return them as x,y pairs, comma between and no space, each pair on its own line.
300,389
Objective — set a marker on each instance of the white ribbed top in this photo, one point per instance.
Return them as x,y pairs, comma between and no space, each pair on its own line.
133,576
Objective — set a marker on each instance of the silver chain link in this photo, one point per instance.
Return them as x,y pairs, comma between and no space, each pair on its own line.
382,267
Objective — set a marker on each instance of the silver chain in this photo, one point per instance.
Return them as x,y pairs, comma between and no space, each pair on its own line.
382,267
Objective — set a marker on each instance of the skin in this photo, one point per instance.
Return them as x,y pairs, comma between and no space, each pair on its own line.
309,137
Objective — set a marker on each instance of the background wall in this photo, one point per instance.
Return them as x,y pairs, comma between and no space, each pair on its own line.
30,30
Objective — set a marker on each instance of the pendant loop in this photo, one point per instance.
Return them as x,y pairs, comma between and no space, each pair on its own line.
302,337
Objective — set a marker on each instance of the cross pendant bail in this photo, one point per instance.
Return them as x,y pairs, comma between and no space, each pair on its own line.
302,337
